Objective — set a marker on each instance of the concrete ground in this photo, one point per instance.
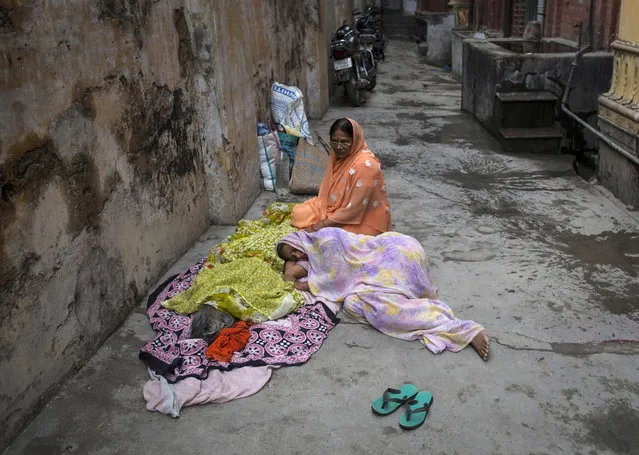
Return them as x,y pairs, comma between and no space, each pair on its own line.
547,262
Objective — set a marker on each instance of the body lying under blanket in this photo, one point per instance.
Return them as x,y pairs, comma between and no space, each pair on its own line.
247,289
383,280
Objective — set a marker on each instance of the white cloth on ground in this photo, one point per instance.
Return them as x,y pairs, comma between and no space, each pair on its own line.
218,387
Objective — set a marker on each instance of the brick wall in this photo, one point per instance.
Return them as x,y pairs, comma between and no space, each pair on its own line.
519,17
491,15
435,6
563,15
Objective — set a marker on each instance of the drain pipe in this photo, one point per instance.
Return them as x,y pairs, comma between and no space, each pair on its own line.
591,25
541,15
479,13
588,126
508,18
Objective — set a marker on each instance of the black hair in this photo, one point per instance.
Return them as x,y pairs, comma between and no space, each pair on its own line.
280,250
342,124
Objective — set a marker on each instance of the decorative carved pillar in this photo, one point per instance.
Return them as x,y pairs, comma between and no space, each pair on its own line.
619,111
621,103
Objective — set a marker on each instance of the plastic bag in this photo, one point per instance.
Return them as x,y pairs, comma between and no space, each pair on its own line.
287,109
267,149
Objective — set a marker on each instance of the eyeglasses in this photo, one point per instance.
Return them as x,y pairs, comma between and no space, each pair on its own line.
340,144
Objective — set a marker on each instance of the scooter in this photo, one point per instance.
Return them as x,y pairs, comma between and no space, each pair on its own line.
354,64
370,26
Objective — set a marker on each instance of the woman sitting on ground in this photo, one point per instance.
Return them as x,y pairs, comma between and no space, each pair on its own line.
352,195
383,281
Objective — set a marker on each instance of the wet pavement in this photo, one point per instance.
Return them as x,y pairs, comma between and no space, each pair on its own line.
547,262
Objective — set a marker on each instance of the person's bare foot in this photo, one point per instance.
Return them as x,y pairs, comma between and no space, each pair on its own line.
480,343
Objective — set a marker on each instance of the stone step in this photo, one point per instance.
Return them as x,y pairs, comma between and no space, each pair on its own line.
531,140
553,132
527,97
525,109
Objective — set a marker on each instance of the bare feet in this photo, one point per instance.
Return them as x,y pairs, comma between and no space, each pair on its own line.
480,343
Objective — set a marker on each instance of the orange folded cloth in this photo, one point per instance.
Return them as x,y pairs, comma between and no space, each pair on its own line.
228,341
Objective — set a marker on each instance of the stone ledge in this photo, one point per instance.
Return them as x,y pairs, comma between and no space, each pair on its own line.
619,114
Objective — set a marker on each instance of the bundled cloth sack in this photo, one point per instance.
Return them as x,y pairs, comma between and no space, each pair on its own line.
268,147
287,109
309,169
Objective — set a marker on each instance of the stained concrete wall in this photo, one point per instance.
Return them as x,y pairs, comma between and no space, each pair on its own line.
457,48
409,7
437,29
488,68
126,127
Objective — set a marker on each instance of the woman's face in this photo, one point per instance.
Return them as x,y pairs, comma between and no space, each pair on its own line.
341,143
293,254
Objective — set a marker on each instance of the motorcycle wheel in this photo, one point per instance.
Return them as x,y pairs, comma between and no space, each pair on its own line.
354,93
372,84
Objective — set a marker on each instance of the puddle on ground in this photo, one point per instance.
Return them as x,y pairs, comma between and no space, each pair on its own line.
474,255
485,229
618,249
615,428
413,103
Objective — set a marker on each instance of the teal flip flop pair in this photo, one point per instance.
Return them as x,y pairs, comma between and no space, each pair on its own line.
417,405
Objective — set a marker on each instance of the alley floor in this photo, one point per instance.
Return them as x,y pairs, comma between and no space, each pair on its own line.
546,261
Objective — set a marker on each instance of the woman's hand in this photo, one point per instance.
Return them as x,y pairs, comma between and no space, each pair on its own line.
302,285
322,224
316,227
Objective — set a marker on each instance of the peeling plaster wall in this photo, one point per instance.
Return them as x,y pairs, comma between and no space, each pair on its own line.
259,43
126,127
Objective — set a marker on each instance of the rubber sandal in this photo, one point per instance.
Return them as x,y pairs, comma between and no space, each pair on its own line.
393,399
416,411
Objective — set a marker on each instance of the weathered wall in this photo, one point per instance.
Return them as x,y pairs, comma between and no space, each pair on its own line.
519,17
490,15
257,43
457,51
563,15
457,48
126,126
489,68
628,15
436,30
433,6
409,7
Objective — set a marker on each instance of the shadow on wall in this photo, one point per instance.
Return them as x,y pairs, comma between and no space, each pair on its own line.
147,135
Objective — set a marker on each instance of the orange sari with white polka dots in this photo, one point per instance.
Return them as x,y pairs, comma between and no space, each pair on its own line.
352,193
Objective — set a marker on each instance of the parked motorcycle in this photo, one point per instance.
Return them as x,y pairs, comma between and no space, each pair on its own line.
370,26
354,64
